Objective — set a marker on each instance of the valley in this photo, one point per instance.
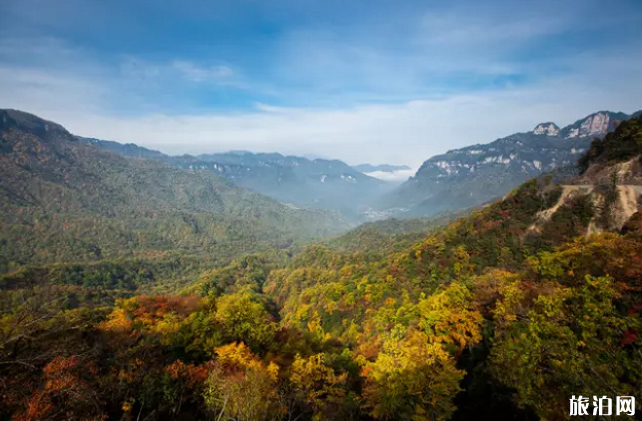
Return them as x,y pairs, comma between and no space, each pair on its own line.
455,181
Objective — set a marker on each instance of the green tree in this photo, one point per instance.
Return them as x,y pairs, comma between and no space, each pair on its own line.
572,341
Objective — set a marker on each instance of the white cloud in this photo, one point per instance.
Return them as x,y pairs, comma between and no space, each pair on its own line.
400,133
476,27
424,53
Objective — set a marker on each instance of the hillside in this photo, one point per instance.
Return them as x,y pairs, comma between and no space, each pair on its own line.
383,237
66,200
317,183
473,175
501,314
524,295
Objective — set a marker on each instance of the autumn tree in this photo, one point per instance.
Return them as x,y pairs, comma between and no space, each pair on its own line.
241,387
318,386
449,318
411,379
68,392
572,341
243,317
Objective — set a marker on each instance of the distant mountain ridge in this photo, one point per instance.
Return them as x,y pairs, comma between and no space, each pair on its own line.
368,168
469,176
317,183
126,149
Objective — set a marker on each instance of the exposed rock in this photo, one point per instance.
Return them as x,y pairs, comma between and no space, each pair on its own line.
594,125
548,129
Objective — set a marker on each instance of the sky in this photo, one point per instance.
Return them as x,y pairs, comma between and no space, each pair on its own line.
371,81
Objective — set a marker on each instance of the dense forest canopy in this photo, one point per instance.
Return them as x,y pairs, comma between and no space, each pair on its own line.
503,313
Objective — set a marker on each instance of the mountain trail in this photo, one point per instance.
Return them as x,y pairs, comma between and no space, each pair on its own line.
567,192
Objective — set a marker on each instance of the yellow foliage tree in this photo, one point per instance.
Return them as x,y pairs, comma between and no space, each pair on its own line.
317,385
241,387
448,317
411,379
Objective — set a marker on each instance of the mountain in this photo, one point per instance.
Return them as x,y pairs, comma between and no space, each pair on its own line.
607,192
595,125
316,183
525,295
495,315
63,199
367,168
470,176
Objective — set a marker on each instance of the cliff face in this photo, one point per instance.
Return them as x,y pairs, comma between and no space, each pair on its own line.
595,125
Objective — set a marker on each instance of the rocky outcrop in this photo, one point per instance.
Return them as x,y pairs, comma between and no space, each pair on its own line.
627,172
548,129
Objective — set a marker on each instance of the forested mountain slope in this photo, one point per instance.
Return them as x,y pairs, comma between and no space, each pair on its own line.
381,238
318,183
525,295
66,200
503,314
473,175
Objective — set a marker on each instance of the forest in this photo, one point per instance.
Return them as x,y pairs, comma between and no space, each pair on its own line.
501,313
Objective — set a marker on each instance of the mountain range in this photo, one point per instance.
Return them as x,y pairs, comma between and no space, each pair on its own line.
459,179
63,199
207,194
316,183
470,176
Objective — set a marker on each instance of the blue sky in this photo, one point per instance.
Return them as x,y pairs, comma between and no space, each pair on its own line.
364,81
